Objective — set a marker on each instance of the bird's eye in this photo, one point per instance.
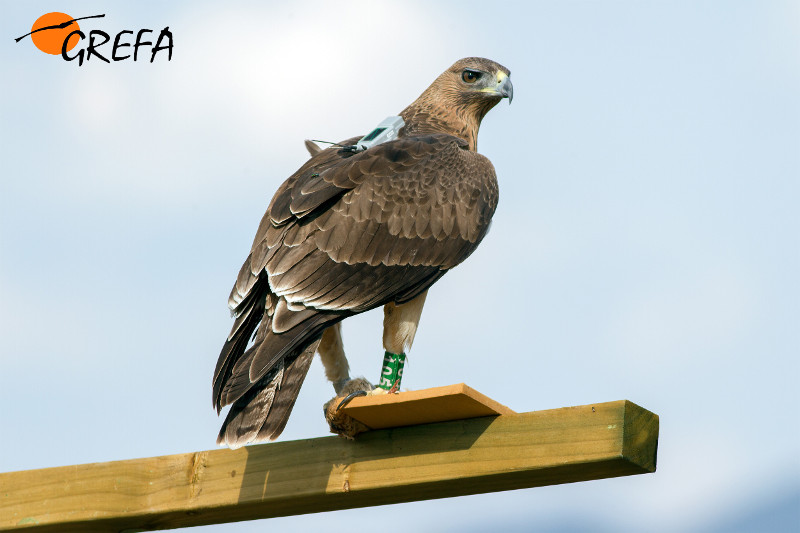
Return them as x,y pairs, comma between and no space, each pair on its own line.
471,76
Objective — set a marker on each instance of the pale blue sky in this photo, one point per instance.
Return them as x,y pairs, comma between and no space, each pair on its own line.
645,246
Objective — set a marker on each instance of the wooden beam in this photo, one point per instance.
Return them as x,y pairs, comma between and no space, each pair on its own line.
413,463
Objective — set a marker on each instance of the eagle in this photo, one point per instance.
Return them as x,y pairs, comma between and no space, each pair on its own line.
350,231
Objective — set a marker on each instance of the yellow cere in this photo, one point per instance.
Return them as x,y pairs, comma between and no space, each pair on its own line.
500,77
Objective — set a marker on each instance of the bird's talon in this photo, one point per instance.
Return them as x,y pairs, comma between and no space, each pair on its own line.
347,399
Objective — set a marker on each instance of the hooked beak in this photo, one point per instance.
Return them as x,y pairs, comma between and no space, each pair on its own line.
504,87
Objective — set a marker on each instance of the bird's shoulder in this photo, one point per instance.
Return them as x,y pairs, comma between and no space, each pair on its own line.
438,158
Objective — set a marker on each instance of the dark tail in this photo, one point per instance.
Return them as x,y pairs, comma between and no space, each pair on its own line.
262,382
262,412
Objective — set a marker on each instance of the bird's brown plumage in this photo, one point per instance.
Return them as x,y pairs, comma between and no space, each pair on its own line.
349,232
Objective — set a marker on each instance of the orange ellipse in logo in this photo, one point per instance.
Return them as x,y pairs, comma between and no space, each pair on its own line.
52,40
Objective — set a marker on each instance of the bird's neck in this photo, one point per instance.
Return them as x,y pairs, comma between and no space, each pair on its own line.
425,116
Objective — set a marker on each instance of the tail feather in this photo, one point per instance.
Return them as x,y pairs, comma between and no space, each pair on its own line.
250,368
286,396
262,413
262,382
247,414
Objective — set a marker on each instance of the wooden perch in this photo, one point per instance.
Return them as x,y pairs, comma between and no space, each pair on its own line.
426,406
411,408
421,462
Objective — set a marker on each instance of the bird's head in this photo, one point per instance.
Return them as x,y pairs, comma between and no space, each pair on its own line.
477,82
459,98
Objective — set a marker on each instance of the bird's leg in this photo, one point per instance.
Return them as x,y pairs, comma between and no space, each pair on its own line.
337,370
399,328
331,352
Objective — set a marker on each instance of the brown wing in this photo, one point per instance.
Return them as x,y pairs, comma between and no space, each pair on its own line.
344,234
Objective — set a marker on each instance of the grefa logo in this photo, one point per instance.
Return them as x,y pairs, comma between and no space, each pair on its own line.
58,34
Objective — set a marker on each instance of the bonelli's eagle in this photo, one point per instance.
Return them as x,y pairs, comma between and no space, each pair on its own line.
351,231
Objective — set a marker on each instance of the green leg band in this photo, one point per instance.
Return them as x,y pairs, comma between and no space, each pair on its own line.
392,370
